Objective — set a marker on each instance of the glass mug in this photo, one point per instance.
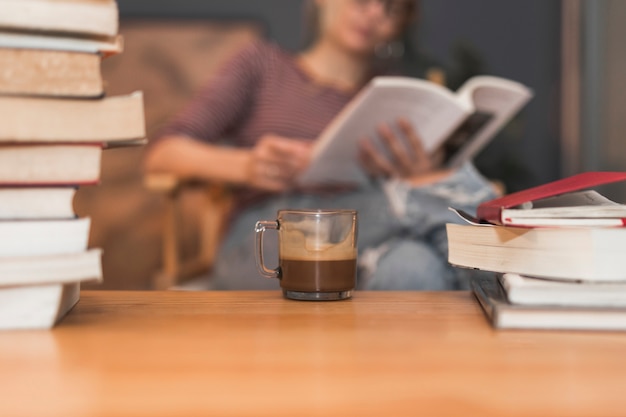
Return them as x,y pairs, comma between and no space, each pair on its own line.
317,253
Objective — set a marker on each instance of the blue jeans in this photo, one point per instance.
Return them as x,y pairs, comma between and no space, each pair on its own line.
402,237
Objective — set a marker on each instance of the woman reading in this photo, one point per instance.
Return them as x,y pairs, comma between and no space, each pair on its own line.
252,128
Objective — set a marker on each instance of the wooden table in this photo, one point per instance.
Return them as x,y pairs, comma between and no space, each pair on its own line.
256,354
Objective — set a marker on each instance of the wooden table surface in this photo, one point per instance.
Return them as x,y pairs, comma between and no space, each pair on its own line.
257,354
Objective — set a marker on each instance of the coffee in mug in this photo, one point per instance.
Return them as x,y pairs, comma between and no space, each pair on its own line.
317,253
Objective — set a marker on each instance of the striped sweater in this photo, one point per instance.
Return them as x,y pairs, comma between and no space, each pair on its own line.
261,90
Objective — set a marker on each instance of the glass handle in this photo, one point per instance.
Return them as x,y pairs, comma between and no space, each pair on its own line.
259,229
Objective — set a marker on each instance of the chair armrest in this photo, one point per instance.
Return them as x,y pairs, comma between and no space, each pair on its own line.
161,182
215,207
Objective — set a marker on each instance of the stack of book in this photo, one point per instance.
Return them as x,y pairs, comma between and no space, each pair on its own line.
557,253
55,124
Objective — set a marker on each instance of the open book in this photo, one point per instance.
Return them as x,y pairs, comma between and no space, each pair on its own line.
460,123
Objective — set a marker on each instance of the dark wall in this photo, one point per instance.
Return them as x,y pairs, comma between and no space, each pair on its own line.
281,18
518,39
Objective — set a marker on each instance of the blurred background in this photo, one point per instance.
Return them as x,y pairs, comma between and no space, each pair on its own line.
569,52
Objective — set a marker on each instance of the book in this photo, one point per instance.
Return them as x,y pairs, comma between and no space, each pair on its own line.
559,203
40,305
36,306
36,119
54,164
568,253
82,17
43,237
50,269
19,203
104,46
525,290
504,315
460,123
47,72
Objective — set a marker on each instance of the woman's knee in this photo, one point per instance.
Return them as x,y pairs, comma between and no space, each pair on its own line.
409,265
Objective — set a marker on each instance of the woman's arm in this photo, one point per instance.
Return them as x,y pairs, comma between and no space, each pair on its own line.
188,158
271,165
188,147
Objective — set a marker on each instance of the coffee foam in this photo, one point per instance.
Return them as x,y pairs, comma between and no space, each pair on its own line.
296,244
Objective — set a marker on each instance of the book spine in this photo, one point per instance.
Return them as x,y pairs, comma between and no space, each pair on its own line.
485,302
491,214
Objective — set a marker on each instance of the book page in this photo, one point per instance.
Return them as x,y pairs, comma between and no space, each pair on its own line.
617,211
579,198
498,97
433,111
580,209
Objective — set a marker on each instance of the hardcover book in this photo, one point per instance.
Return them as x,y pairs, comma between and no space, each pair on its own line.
558,203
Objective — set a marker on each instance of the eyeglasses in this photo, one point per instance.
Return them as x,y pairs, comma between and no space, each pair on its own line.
393,8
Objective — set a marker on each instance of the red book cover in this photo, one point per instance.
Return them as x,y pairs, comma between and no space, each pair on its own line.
491,210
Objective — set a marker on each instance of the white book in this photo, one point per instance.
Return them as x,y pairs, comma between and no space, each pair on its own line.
23,238
51,269
38,291
568,253
36,307
525,290
505,315
54,164
90,45
81,17
36,119
17,203
460,123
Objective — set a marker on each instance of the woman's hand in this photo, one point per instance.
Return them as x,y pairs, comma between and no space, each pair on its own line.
407,159
275,162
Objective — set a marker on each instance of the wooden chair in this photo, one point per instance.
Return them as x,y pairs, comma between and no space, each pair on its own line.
215,206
